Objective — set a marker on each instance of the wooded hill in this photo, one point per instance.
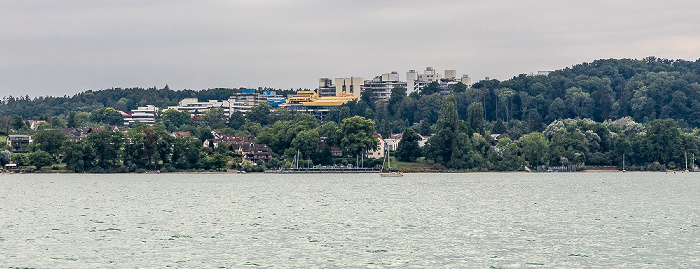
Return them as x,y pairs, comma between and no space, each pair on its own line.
645,89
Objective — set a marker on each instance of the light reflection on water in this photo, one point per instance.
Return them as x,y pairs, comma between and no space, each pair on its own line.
503,220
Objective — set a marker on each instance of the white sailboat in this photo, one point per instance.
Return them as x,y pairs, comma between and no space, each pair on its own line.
390,172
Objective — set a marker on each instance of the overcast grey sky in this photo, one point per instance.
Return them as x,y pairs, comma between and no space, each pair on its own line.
68,46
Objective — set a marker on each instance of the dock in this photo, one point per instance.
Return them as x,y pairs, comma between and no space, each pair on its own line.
324,170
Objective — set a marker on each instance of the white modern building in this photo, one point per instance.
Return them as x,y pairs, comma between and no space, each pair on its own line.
416,81
382,85
145,114
196,108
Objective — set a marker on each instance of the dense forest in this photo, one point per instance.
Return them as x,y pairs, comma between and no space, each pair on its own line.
588,114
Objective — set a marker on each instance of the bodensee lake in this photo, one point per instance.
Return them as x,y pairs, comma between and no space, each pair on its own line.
475,220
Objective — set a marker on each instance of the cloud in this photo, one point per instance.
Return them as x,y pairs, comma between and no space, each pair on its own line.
63,47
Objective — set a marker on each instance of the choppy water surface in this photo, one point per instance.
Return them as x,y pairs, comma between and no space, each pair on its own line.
564,220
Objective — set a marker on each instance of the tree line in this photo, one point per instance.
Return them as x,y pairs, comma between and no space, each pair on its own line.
589,114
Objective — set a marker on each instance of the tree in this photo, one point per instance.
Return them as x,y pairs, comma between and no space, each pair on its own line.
40,159
78,157
306,142
107,115
441,146
431,88
499,127
215,118
458,87
50,141
579,101
423,128
174,119
5,157
107,147
534,148
260,114
358,135
237,120
398,93
662,141
475,117
408,149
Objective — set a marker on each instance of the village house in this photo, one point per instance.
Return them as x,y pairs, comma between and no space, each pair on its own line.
18,143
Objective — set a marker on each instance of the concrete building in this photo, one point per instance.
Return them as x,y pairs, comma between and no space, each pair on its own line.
351,85
248,98
196,108
145,114
382,85
326,87
416,81
309,102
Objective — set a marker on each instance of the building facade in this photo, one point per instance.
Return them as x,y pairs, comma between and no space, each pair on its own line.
351,85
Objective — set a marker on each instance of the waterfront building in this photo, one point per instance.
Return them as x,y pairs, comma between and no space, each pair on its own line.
19,143
381,148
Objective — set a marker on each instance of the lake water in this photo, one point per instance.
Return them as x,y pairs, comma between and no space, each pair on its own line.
477,220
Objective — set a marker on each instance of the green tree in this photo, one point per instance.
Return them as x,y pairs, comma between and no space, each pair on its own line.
398,93
408,149
431,88
237,120
174,119
107,115
534,148
306,142
442,146
78,157
50,141
499,127
663,139
215,118
475,117
107,147
5,157
458,87
40,159
260,114
358,135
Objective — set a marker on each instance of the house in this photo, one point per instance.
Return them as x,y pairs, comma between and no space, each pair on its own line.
255,152
335,150
34,124
181,134
19,142
392,143
381,148
423,140
74,134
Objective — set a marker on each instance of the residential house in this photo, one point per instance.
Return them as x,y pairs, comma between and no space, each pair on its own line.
381,148
18,143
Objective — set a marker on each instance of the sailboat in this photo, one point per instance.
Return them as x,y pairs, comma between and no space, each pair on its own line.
390,172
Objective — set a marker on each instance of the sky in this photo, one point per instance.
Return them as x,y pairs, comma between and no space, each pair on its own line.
63,47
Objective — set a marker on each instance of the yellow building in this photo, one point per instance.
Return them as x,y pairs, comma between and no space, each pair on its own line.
310,102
